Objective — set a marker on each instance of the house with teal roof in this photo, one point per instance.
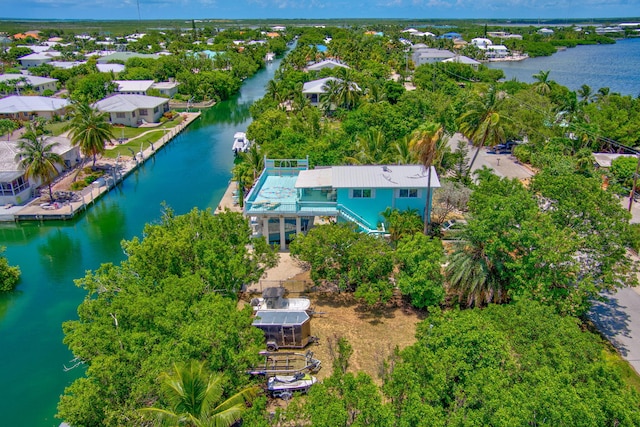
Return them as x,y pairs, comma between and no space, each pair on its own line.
288,197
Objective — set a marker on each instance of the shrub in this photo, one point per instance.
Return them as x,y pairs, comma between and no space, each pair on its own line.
9,275
48,92
78,185
90,178
634,237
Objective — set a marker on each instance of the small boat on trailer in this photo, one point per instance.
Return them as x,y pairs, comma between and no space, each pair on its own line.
273,299
240,143
286,363
283,386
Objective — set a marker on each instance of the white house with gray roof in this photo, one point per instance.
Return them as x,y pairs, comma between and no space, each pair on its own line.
427,55
15,189
314,89
38,84
133,110
133,87
28,107
327,63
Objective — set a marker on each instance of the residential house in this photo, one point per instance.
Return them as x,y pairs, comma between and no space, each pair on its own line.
427,55
481,42
133,110
327,63
545,31
141,87
37,84
496,51
15,189
108,68
133,87
36,59
461,59
27,107
288,196
315,89
124,56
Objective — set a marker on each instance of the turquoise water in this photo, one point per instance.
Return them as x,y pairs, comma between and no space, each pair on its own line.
613,66
193,170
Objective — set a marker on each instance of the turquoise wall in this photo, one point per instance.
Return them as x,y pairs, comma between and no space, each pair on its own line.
370,209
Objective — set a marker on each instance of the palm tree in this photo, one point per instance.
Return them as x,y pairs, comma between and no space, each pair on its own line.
254,159
470,275
424,142
482,122
331,96
89,129
348,90
542,85
37,159
585,93
603,93
371,149
193,396
403,154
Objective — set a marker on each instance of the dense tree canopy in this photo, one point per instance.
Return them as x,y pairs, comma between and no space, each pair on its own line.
171,301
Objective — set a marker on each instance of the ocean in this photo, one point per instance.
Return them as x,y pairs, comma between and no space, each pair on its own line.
614,66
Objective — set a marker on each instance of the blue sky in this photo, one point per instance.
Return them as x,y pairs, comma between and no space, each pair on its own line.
318,9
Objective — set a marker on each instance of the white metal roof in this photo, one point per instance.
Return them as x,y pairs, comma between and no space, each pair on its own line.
164,85
31,80
316,86
383,176
128,103
605,159
106,68
315,178
18,104
461,59
327,63
8,150
133,85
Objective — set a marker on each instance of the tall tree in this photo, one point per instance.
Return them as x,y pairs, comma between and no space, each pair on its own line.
482,122
37,158
585,93
89,129
194,398
424,142
542,84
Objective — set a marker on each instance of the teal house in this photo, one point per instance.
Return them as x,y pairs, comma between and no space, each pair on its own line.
288,197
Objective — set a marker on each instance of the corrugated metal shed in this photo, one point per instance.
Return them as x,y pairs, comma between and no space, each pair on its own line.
380,176
277,317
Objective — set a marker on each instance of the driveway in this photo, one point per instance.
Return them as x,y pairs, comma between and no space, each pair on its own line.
503,165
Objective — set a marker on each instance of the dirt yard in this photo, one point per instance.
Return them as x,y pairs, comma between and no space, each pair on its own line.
373,334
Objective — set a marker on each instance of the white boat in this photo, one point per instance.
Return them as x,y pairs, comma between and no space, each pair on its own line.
283,386
240,143
272,299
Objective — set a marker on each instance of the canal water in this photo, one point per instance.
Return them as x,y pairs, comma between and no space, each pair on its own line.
191,171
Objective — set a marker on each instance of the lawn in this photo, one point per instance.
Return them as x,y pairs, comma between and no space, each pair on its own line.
56,128
129,132
125,149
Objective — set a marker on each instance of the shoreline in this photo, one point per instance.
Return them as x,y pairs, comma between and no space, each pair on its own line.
117,172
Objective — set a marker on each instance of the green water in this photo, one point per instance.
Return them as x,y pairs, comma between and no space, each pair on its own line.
193,170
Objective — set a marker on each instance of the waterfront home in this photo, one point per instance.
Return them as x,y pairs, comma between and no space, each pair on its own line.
314,89
328,64
15,189
496,51
481,42
27,107
288,196
545,31
167,89
427,55
461,59
133,110
37,84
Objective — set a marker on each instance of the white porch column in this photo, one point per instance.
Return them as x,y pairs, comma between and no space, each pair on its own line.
298,225
265,227
283,237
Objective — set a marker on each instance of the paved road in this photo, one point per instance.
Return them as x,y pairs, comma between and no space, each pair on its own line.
618,318
502,165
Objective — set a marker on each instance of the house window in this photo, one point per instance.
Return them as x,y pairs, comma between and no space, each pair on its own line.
144,112
120,115
410,193
361,193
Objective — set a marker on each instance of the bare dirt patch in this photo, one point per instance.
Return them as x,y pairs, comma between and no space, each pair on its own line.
373,333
